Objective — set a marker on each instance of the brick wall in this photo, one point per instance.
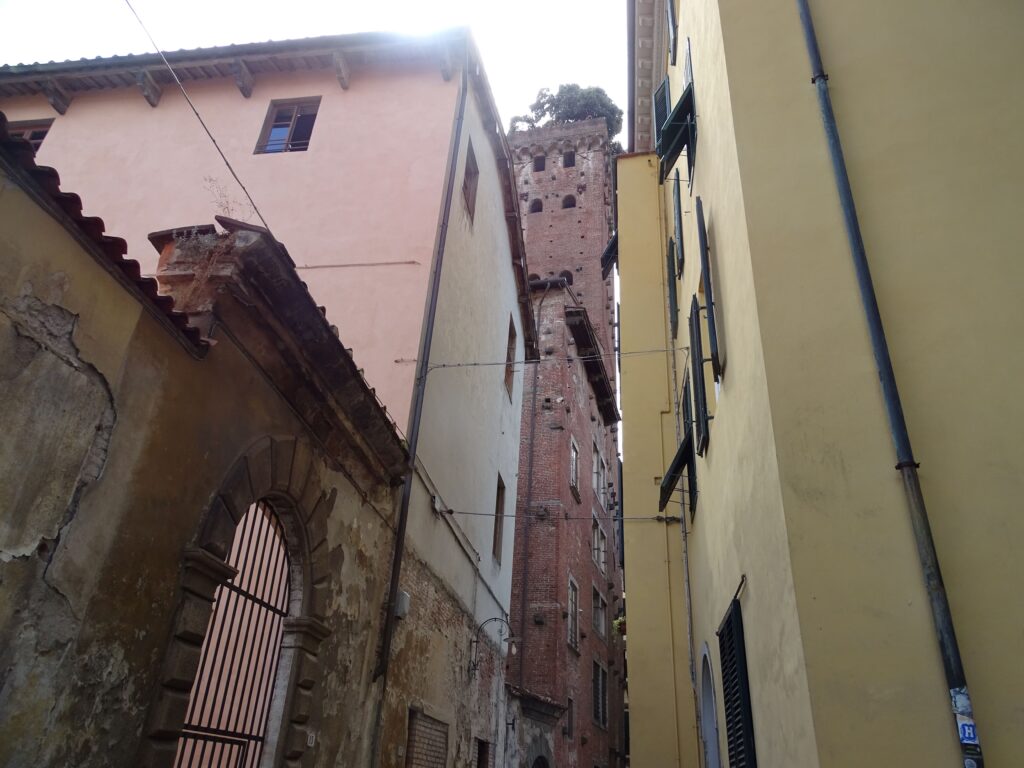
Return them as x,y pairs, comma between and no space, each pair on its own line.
553,523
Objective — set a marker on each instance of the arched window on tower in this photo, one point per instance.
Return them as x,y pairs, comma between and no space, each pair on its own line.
568,201
536,206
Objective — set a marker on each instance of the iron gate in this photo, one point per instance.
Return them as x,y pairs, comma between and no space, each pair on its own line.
230,700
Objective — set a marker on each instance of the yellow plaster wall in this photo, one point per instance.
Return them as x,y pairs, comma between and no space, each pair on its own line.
929,132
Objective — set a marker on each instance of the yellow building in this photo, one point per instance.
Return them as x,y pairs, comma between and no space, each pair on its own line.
788,562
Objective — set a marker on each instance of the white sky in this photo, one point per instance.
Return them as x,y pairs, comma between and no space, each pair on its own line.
526,45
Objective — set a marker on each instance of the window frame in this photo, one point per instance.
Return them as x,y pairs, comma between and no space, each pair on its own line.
574,467
599,613
510,357
572,603
23,129
570,717
677,216
599,690
470,180
569,158
499,520
269,121
540,163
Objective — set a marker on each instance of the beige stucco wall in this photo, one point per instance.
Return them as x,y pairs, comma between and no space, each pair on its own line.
382,141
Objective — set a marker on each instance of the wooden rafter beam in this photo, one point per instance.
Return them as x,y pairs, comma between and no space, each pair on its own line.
59,98
151,89
341,69
243,77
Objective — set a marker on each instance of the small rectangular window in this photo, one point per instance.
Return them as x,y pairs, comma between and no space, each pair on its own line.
483,754
569,159
598,544
469,181
595,471
538,163
570,718
289,126
32,131
600,690
573,619
510,357
574,468
739,719
499,519
600,613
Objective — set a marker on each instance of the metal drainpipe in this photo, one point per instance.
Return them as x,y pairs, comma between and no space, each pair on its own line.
529,491
422,368
970,746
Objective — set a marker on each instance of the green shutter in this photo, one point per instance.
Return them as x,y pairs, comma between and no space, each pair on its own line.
677,212
673,300
709,295
700,401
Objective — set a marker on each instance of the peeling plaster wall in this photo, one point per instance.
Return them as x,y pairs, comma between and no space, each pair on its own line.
116,440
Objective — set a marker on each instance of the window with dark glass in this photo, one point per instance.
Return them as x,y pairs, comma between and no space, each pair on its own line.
538,163
510,357
289,126
499,519
569,201
573,619
676,130
569,159
470,180
600,613
32,131
570,718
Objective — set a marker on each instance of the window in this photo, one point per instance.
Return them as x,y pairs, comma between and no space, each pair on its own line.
600,611
574,615
538,163
288,126
685,458
739,720
483,754
569,159
568,201
570,718
700,397
673,31
510,357
499,519
469,181
536,206
677,215
595,472
574,468
717,358
600,685
598,544
676,130
708,717
427,745
32,131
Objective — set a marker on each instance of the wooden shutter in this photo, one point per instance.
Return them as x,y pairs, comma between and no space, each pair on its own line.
739,721
700,401
709,295
677,214
662,106
691,457
673,299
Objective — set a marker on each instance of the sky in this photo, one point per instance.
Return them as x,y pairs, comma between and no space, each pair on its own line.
526,45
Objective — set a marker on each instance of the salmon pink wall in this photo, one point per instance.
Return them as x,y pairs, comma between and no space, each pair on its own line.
368,191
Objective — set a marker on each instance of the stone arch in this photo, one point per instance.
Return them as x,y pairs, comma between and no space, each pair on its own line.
286,473
569,201
536,206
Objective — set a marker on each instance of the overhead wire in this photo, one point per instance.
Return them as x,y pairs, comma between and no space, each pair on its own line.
199,117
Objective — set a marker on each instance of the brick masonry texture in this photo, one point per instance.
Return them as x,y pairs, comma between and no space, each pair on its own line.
554,523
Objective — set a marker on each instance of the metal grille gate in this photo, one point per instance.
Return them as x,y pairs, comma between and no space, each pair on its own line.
230,699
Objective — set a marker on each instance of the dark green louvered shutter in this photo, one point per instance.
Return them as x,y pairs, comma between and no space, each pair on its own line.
691,457
662,106
700,400
673,31
709,295
673,300
677,214
739,720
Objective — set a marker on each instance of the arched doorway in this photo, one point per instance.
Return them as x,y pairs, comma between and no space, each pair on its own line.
229,705
540,762
708,716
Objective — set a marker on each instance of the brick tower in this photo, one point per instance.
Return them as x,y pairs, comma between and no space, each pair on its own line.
567,580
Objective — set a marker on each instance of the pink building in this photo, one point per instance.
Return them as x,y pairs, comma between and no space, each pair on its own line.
380,161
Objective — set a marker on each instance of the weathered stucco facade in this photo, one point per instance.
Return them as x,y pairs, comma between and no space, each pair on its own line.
800,519
132,447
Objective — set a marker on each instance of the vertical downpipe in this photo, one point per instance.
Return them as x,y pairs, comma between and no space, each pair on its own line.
956,680
419,390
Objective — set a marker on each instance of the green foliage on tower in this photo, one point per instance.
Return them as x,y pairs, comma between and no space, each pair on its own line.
569,104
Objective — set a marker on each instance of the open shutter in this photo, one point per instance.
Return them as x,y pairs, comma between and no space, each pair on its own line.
739,720
709,296
677,213
691,456
662,107
673,300
700,401
673,31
